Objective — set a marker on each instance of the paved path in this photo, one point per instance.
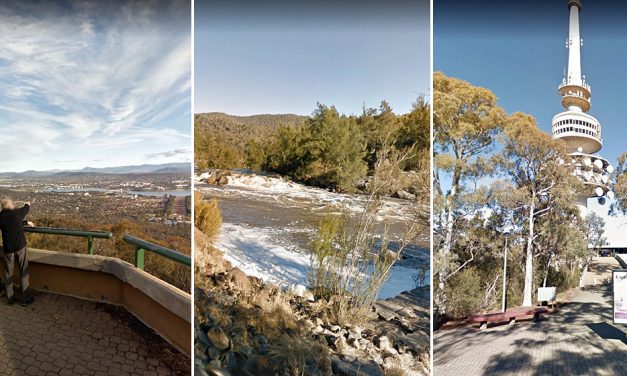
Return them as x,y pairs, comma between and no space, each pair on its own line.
578,340
59,335
600,271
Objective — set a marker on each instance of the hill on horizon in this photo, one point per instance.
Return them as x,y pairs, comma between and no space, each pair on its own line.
232,126
133,169
234,132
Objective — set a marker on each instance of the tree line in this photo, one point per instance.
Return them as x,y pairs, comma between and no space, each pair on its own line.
327,149
499,178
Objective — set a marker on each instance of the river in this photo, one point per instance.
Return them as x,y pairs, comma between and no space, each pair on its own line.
269,222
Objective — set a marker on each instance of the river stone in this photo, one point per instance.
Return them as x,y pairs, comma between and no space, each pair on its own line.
404,195
239,279
215,371
261,366
318,329
335,328
383,343
262,345
355,332
218,339
353,342
229,360
199,370
356,368
340,344
202,338
416,342
308,325
213,352
297,290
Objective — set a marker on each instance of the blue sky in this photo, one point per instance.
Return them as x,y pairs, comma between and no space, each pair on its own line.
284,56
517,50
87,83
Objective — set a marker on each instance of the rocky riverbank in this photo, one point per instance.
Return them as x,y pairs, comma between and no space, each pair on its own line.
247,327
401,189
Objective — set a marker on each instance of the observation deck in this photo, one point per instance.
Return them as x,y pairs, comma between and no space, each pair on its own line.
95,315
575,95
578,130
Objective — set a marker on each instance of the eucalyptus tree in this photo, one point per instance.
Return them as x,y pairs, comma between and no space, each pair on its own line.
540,183
620,187
466,123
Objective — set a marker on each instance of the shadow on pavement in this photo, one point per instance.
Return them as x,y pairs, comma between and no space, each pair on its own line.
607,331
578,340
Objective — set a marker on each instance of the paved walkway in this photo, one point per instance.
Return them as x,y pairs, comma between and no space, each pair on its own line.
59,335
600,271
578,340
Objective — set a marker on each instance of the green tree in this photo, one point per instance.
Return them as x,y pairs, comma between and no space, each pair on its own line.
466,122
378,126
620,187
540,182
285,154
334,149
415,132
595,228
255,154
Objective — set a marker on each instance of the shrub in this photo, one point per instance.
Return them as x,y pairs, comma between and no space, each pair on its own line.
465,294
207,216
349,264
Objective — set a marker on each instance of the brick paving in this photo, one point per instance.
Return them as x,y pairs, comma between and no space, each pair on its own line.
578,340
60,335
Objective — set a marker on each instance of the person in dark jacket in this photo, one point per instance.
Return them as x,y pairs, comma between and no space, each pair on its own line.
14,247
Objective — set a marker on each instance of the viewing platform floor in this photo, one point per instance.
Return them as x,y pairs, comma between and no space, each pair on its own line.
60,335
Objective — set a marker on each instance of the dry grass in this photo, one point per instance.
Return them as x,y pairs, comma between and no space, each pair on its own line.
207,216
395,371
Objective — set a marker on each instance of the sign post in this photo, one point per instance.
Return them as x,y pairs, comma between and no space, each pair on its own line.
619,283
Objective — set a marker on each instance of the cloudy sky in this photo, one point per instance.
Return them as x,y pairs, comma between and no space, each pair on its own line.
85,83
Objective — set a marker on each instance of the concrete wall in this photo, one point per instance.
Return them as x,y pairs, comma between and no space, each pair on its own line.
159,305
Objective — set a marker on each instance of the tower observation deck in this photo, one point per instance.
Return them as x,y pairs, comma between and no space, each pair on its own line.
580,131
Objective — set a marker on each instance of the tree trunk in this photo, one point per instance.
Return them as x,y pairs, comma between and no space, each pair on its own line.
527,293
448,220
546,272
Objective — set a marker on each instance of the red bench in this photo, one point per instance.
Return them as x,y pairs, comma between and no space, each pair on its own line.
510,316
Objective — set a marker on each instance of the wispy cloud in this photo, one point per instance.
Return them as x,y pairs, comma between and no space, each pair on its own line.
94,79
183,153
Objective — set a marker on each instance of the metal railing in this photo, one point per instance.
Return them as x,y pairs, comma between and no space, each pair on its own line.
90,235
142,245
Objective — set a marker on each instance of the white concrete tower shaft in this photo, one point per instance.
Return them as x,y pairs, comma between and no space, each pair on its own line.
574,45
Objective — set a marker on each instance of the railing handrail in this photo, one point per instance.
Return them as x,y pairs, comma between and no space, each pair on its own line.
90,235
142,245
69,232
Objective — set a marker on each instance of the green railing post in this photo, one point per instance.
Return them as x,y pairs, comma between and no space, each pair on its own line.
139,258
141,246
90,245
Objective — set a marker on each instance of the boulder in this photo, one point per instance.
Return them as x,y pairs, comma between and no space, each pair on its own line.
404,195
239,280
356,368
218,339
261,366
383,343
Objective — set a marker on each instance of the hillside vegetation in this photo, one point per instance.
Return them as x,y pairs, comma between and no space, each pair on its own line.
326,149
